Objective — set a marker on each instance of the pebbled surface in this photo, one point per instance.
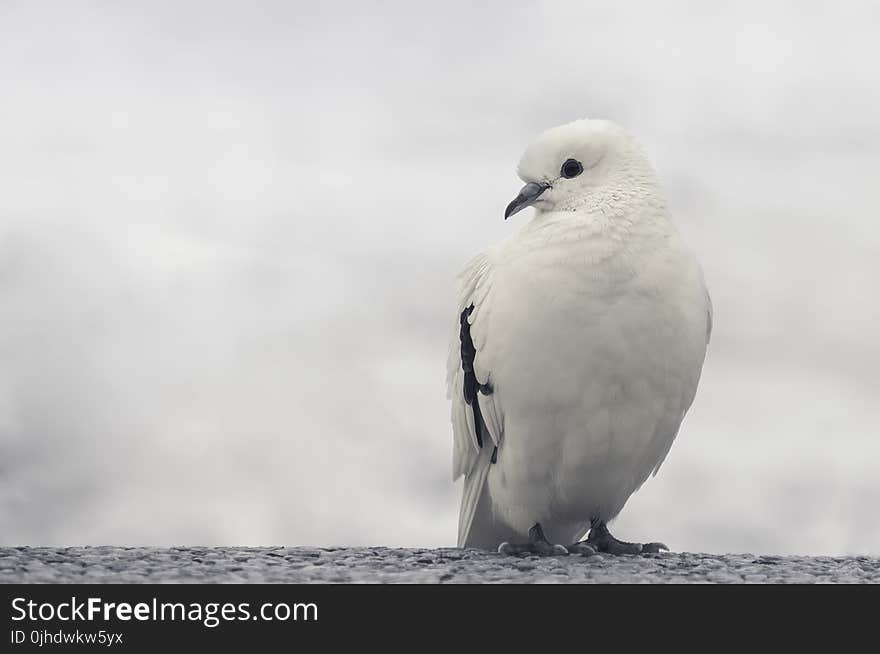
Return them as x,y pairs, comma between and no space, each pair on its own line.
386,565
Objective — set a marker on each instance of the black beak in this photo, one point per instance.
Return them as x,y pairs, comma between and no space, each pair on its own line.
528,195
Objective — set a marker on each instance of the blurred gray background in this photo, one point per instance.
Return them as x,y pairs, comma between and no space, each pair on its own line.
229,234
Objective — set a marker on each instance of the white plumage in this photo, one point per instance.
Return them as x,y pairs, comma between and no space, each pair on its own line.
590,324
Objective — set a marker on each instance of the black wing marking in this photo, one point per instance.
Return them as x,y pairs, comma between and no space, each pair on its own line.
471,385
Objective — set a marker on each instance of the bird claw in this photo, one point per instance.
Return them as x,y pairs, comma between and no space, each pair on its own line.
538,544
540,549
602,540
582,548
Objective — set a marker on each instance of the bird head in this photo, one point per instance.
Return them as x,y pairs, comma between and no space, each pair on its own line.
567,165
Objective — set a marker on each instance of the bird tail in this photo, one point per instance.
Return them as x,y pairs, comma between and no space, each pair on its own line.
477,525
470,499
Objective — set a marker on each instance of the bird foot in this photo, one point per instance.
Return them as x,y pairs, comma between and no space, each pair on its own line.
601,540
538,544
583,548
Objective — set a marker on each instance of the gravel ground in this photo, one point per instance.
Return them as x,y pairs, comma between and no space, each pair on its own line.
385,565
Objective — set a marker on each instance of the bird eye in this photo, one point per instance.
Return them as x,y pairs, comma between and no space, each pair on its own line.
571,168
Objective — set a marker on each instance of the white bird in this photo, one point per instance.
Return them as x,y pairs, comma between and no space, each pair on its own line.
578,348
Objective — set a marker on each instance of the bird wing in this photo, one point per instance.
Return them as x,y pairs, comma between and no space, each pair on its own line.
477,422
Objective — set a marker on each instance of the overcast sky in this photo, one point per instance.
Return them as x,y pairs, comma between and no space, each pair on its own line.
229,234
